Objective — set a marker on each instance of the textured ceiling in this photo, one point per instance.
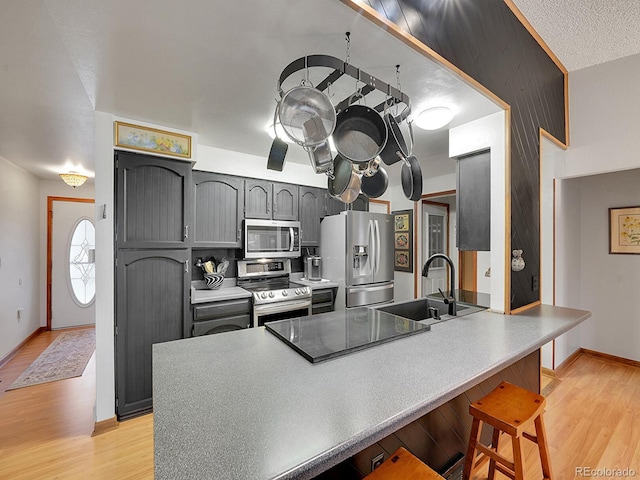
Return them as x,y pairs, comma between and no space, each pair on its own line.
583,33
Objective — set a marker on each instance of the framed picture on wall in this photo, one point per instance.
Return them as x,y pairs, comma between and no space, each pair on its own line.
403,240
152,140
624,230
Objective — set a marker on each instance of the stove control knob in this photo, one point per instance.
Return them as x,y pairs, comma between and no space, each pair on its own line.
270,294
263,294
285,293
297,292
305,290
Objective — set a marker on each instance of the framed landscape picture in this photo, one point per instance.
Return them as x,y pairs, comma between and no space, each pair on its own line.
152,140
624,230
403,240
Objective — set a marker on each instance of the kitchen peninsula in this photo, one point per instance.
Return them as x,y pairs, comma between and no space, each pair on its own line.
244,405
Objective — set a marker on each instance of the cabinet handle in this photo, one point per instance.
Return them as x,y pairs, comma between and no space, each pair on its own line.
239,233
186,232
186,266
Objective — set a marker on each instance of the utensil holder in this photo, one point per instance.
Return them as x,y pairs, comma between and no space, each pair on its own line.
213,280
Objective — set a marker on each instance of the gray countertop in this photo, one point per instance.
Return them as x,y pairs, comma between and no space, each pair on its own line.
243,405
223,293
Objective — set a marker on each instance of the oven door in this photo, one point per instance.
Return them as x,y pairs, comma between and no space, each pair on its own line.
280,311
271,239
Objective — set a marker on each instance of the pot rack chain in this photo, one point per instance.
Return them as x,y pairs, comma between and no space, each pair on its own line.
340,68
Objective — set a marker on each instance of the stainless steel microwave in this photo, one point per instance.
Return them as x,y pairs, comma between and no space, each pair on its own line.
271,239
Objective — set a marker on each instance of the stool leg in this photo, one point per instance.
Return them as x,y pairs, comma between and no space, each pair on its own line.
470,461
543,448
494,444
517,458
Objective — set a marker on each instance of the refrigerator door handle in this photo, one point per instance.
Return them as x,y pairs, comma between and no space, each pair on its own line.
377,246
371,241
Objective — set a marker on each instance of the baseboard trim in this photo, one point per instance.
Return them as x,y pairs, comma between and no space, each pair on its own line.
613,358
548,372
560,369
105,426
4,360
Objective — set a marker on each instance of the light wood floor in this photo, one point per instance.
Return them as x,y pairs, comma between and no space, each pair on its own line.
592,420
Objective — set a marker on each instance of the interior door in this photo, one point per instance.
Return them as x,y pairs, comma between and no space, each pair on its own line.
72,263
435,240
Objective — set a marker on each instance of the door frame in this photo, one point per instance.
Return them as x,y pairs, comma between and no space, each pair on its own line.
50,200
447,248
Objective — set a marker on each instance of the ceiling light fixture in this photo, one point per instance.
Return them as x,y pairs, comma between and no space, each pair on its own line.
434,118
73,179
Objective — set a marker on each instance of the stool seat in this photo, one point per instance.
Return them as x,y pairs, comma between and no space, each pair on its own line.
402,465
508,409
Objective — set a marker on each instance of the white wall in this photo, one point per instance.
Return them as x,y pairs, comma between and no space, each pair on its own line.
489,132
609,283
603,120
19,255
53,188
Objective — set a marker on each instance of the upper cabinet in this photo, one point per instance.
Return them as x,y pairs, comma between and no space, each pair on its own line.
473,198
270,201
152,201
312,209
335,206
218,210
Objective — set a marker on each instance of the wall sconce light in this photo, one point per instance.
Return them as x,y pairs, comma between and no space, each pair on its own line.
73,179
434,118
517,262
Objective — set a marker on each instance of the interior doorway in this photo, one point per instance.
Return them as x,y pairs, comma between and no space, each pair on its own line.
70,262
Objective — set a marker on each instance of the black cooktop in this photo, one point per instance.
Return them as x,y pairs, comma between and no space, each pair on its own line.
321,337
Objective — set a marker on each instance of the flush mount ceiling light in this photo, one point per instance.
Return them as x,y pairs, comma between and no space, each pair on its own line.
73,179
434,118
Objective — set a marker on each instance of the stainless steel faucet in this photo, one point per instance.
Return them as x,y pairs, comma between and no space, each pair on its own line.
450,300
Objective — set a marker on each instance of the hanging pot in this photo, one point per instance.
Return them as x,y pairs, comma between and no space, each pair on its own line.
344,183
375,185
411,176
396,147
307,115
360,133
321,157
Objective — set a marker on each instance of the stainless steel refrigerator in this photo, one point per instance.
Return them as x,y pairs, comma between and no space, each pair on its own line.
357,252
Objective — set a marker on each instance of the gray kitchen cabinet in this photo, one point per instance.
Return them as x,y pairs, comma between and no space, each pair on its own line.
473,199
270,201
218,209
312,209
152,201
323,300
152,306
221,316
257,199
285,201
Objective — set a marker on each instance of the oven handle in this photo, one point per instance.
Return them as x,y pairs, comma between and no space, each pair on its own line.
281,307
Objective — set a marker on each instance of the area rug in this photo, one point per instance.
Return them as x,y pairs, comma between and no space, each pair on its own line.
66,357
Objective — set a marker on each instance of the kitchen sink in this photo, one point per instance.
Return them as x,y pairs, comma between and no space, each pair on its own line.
420,311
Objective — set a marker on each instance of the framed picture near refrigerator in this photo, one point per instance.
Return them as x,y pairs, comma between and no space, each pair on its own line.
403,240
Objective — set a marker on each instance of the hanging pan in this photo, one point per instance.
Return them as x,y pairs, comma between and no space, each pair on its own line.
411,176
396,147
374,181
360,133
307,115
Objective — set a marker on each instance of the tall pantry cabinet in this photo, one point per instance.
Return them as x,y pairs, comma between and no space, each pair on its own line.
152,268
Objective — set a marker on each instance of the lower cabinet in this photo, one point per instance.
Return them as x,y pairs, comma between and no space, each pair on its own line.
323,300
221,316
152,306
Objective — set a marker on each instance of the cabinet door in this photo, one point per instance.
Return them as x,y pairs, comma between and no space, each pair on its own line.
311,211
151,201
285,201
218,210
152,295
334,206
257,199
473,199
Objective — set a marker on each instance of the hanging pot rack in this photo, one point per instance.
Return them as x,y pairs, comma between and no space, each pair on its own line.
340,68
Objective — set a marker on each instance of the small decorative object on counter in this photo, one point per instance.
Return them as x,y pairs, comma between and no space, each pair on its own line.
213,280
213,276
517,262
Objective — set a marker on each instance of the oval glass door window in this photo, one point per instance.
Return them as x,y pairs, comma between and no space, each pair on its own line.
82,272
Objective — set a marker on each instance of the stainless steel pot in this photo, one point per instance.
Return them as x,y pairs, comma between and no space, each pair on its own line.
344,183
307,115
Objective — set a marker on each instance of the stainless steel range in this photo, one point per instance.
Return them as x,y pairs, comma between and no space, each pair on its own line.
274,296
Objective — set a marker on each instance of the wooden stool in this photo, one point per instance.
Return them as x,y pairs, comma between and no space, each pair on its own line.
402,465
507,409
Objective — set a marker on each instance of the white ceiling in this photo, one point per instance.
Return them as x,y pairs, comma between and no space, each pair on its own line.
583,33
209,67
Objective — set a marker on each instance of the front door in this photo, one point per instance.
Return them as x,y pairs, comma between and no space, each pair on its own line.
435,240
72,263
